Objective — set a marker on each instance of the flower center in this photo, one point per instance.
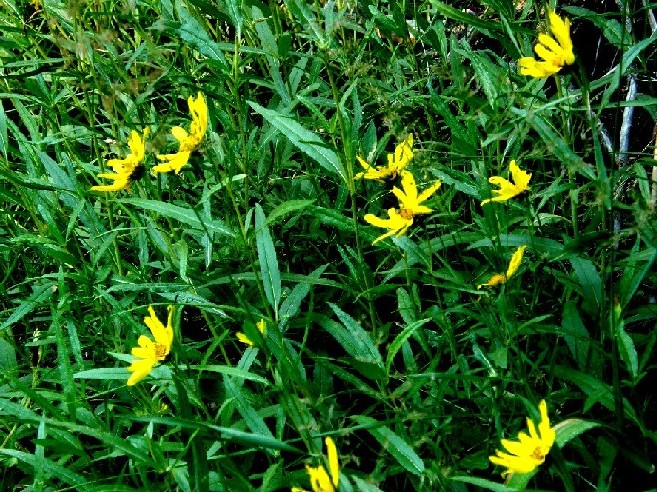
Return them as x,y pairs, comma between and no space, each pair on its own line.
160,351
538,454
406,214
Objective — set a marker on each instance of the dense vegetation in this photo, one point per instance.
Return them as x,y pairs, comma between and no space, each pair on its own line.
232,239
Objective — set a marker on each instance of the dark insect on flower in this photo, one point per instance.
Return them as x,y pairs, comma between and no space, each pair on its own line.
137,173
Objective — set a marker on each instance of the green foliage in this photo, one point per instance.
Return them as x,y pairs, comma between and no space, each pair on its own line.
391,350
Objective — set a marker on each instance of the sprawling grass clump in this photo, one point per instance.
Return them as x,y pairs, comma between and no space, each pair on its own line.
328,246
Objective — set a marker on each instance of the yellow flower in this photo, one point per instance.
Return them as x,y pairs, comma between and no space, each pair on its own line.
396,162
526,454
554,52
409,206
151,352
244,339
507,189
409,200
187,142
320,479
514,264
125,169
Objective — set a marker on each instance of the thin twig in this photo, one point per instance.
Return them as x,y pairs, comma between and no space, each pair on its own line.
626,126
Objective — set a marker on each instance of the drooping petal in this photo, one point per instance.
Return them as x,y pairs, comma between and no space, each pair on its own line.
319,479
508,190
179,133
533,68
140,368
548,44
121,182
426,194
496,279
171,162
395,222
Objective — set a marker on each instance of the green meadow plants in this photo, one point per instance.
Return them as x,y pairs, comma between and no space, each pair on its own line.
327,246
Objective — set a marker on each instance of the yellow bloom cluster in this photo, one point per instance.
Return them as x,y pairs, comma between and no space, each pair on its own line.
410,202
126,170
526,454
320,479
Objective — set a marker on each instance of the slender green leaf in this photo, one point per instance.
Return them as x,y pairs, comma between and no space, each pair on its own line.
393,444
271,277
400,339
305,140
187,216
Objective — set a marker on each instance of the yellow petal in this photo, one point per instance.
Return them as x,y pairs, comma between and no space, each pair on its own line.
560,28
496,279
120,183
319,479
140,368
334,467
533,68
520,177
179,133
426,194
244,339
163,335
171,162
515,262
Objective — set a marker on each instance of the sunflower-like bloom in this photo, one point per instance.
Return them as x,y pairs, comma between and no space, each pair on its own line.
526,454
554,52
396,162
514,264
320,479
244,339
187,142
125,168
410,205
507,189
151,352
